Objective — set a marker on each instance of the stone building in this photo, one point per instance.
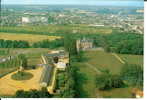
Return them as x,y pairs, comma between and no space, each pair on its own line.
84,44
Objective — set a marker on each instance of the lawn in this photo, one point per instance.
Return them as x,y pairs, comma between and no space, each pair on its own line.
26,37
101,60
117,93
132,59
104,61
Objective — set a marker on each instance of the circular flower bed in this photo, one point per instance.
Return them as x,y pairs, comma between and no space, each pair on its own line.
20,75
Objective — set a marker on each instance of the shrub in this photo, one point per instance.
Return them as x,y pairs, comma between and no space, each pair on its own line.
133,74
107,81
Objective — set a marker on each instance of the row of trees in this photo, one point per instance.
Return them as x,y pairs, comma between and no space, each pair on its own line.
23,61
13,44
14,62
49,44
33,94
66,83
24,44
131,75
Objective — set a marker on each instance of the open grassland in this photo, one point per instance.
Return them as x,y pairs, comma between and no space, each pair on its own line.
26,37
132,59
83,29
101,61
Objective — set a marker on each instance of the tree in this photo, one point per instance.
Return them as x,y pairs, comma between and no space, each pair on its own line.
33,94
23,61
107,81
104,43
70,44
133,74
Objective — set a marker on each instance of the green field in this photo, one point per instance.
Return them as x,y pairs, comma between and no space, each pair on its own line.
132,59
101,61
58,29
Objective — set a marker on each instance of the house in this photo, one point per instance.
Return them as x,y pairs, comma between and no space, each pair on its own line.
53,61
84,44
61,65
59,58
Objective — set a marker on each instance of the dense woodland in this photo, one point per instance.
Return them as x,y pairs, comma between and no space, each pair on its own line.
124,43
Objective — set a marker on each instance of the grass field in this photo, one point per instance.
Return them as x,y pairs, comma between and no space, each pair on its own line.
117,93
83,29
132,59
26,37
101,61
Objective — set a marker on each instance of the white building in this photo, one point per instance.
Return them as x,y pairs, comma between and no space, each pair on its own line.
61,65
25,20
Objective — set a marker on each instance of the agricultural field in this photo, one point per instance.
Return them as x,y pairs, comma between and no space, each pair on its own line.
59,29
26,37
94,64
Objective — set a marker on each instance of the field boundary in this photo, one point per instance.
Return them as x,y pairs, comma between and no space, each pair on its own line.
117,57
94,68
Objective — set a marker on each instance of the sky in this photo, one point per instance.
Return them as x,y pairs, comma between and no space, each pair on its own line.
79,2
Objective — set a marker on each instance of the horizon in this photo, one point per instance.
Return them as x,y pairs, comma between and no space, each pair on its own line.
135,3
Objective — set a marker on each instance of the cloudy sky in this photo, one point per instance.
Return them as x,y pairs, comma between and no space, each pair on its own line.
80,2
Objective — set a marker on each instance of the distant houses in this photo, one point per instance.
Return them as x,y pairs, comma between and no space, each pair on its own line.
25,20
33,19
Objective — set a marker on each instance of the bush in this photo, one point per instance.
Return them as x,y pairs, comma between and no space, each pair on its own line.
33,94
107,81
133,74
